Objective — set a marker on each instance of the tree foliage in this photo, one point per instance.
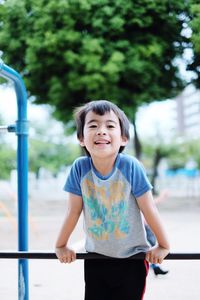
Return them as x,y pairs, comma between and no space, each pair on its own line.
7,160
73,51
48,149
42,154
195,26
50,156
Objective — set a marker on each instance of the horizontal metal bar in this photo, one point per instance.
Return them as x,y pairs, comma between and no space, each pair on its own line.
3,128
52,255
7,128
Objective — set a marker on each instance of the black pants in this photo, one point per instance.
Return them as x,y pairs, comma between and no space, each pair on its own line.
120,279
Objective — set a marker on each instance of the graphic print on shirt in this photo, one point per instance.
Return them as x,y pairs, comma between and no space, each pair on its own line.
106,204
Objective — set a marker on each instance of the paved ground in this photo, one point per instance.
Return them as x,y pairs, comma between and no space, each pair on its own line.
48,279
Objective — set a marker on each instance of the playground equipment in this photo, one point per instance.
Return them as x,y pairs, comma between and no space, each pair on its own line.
52,255
21,130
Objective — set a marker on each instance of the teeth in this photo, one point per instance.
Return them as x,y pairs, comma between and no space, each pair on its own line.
102,143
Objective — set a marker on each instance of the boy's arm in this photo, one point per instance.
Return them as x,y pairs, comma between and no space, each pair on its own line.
152,217
74,209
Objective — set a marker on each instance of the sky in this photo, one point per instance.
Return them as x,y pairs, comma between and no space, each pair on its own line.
35,113
8,106
157,119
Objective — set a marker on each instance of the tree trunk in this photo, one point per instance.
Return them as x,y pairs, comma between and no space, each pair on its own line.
136,143
157,157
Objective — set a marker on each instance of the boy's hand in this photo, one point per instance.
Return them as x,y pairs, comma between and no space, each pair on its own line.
156,254
65,255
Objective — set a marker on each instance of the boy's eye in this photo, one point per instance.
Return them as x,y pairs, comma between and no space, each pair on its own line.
111,126
92,126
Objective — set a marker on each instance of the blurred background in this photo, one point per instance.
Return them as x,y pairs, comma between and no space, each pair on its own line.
144,56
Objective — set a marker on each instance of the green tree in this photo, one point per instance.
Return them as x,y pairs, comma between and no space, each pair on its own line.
53,157
7,160
195,25
176,153
186,150
153,153
49,148
7,156
70,52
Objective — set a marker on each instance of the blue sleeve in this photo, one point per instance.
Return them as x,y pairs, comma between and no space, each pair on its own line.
73,181
140,182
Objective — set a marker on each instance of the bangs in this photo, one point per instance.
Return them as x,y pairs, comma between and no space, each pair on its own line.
100,107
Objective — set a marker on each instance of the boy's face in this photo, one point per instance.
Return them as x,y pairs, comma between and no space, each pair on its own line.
102,134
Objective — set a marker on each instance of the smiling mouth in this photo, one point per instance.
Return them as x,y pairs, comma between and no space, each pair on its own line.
102,142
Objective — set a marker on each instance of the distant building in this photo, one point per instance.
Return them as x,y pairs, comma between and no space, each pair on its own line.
188,112
177,117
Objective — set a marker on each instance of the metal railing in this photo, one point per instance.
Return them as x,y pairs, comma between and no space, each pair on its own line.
21,130
52,255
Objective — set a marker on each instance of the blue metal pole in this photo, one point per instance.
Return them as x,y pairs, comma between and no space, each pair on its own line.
22,174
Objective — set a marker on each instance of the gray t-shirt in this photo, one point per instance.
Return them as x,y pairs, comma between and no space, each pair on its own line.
113,222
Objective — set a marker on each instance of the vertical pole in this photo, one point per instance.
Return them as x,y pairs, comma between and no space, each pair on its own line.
22,173
22,169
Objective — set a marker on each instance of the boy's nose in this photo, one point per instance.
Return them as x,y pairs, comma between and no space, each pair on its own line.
101,131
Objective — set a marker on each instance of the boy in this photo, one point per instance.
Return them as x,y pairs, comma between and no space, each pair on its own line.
113,191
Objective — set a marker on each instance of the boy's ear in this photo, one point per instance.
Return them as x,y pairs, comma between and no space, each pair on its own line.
81,142
124,141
